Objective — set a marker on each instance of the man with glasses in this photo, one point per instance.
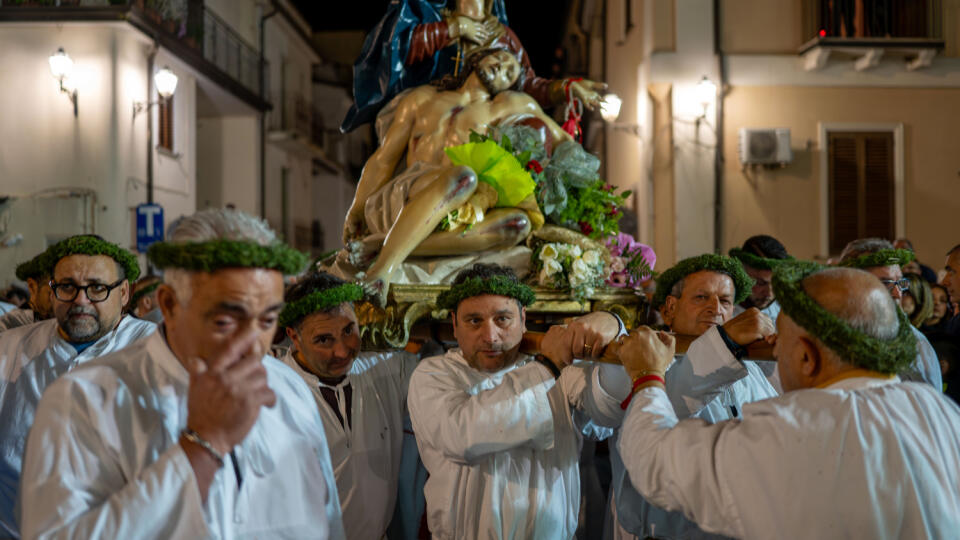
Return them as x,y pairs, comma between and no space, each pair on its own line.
880,258
90,285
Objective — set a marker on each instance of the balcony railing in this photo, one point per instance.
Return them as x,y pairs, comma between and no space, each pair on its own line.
295,114
869,19
188,22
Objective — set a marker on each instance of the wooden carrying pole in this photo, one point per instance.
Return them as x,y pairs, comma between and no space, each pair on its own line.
759,350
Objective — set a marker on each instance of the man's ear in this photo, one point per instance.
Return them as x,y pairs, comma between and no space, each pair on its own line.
34,287
669,310
811,362
124,293
453,320
167,301
294,337
523,317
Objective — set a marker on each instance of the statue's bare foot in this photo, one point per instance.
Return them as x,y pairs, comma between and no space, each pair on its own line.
376,288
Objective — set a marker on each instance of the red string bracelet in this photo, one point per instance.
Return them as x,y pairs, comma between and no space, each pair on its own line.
636,385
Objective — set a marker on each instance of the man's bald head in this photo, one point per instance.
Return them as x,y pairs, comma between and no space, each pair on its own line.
854,296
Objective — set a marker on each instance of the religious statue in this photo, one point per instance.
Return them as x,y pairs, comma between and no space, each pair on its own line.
419,41
402,211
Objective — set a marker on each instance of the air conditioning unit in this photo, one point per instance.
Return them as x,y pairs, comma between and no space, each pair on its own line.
765,146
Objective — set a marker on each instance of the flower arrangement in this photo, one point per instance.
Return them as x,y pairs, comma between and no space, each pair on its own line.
632,262
569,267
569,189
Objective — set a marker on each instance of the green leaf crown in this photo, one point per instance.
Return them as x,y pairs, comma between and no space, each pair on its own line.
884,356
476,286
742,283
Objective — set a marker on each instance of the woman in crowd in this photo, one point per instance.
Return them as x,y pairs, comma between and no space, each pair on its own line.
941,306
917,302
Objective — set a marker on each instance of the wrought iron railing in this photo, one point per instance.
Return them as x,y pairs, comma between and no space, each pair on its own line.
919,19
189,21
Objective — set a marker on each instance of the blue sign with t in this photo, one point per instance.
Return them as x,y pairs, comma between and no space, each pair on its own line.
149,225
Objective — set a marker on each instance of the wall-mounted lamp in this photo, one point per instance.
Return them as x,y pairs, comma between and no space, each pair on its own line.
706,93
61,66
610,111
166,82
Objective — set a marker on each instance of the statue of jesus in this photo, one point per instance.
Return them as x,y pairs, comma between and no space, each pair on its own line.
406,207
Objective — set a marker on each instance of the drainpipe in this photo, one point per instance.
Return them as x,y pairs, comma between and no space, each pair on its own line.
718,160
263,117
150,60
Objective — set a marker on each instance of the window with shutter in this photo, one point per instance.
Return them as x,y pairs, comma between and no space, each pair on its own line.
165,123
861,187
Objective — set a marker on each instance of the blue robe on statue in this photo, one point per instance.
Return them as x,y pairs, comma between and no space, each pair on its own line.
380,72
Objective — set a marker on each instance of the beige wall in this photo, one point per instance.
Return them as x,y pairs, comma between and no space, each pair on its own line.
786,202
762,26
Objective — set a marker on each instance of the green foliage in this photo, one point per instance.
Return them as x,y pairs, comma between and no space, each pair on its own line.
742,283
884,356
88,244
883,257
756,261
594,210
216,254
498,285
318,301
36,268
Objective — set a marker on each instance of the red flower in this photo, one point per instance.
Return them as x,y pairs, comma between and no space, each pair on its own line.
614,211
535,166
585,228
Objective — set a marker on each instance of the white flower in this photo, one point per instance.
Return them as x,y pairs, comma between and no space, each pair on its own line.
592,257
617,265
551,267
548,252
580,269
575,250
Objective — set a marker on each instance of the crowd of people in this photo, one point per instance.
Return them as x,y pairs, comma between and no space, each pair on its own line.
772,398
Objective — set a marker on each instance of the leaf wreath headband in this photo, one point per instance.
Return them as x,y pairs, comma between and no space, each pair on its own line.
885,356
213,255
89,244
756,261
742,283
883,257
317,301
476,286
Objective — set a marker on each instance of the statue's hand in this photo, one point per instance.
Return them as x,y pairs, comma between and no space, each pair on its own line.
589,92
469,29
353,226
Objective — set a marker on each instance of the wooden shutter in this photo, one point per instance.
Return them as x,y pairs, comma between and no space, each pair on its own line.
165,123
861,187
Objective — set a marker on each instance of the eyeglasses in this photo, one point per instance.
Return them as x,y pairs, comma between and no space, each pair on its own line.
903,284
96,292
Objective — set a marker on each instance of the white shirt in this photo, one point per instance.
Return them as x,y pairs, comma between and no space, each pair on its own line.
16,318
103,459
926,368
31,358
708,383
365,452
503,448
862,458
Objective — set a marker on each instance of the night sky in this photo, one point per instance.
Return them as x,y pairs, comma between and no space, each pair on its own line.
539,31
